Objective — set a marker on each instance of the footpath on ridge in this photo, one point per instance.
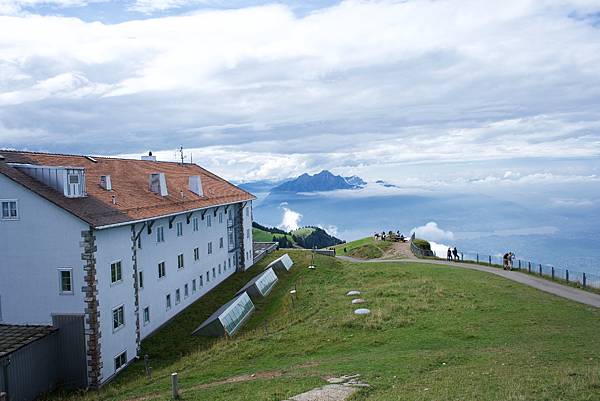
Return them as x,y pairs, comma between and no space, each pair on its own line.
552,287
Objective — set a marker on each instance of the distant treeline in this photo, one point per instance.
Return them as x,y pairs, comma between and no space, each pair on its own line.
306,237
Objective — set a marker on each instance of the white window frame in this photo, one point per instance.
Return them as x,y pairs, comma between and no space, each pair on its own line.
180,261
177,296
60,287
210,248
214,272
179,228
195,224
115,329
186,290
196,254
8,218
220,217
120,280
168,302
221,242
160,234
164,270
119,355
194,286
208,220
146,321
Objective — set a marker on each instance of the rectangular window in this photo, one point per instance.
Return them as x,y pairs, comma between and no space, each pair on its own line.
177,296
160,234
247,233
116,272
214,272
196,254
247,211
221,242
208,220
65,281
180,261
168,299
195,223
179,226
194,285
219,268
224,265
201,283
162,271
220,217
229,262
118,317
146,315
10,209
120,361
141,279
186,292
210,248
207,277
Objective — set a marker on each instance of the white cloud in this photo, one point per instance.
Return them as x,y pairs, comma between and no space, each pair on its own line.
261,92
290,219
432,232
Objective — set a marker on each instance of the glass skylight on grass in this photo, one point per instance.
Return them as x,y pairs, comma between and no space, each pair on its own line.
235,315
266,282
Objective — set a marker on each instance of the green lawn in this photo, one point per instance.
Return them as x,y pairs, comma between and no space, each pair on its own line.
436,333
365,248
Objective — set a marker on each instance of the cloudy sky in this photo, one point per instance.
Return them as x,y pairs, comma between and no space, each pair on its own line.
506,90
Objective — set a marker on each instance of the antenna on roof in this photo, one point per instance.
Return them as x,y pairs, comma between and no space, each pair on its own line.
181,155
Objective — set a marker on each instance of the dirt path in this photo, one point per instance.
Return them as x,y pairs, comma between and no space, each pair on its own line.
552,287
339,389
398,250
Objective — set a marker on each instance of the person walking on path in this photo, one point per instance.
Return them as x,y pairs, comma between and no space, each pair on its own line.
505,261
455,253
449,254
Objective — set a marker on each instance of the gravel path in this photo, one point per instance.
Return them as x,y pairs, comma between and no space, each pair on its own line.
564,291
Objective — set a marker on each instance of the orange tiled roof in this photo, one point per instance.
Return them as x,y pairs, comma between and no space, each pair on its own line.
134,200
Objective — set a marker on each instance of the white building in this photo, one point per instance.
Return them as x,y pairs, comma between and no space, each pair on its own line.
125,244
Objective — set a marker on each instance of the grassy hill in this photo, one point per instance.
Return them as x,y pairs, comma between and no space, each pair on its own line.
365,248
435,332
305,237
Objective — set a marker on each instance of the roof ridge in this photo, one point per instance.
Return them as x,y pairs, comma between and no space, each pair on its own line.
94,156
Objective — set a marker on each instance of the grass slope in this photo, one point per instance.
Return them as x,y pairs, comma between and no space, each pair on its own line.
259,235
365,248
436,332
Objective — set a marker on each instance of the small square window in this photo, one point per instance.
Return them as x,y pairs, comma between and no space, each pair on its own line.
180,261
146,315
120,361
168,301
116,272
162,271
179,226
10,210
118,317
66,281
160,234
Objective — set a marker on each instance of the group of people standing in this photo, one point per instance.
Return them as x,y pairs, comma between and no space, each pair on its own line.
453,254
507,261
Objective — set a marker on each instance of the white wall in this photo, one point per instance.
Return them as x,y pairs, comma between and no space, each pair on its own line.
115,245
32,248
248,218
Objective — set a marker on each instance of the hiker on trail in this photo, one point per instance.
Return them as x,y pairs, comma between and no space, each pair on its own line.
455,253
505,261
449,254
511,257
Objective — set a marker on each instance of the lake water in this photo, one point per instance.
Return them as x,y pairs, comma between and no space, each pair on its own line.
472,223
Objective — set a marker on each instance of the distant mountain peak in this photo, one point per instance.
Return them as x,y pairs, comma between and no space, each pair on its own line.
325,180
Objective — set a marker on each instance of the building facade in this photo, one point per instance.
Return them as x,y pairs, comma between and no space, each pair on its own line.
126,244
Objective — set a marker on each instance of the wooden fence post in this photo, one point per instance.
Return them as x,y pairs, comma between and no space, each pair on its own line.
174,386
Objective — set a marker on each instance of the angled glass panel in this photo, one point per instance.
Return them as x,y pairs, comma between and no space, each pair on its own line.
266,281
236,314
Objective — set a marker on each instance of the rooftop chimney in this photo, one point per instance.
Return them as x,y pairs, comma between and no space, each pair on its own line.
158,184
105,182
149,158
195,185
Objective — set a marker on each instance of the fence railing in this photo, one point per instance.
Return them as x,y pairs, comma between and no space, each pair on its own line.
586,280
